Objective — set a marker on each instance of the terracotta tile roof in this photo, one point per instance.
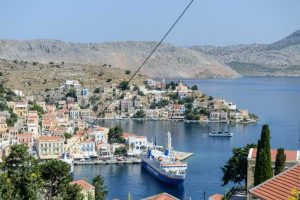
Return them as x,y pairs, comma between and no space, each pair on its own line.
162,196
100,128
88,141
60,130
141,137
24,135
127,135
32,116
216,197
49,138
85,185
280,186
47,122
290,155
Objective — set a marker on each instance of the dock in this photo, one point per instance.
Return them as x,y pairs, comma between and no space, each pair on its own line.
107,162
182,155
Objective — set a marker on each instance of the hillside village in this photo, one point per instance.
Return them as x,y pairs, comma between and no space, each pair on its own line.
59,121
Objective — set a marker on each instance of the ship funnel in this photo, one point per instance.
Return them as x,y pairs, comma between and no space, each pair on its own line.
169,144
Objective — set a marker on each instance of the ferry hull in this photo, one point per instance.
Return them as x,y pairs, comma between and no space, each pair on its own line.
160,176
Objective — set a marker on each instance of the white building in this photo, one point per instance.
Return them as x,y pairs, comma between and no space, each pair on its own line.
136,144
230,105
87,148
33,123
100,134
151,83
74,113
71,83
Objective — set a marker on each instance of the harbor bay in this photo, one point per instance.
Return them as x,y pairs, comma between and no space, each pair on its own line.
274,99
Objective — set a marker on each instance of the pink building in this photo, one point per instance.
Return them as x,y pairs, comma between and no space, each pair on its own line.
25,138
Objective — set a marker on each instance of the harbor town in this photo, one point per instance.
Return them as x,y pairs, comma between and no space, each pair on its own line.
50,122
63,120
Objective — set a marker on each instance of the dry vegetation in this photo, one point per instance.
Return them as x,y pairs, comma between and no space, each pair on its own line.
34,77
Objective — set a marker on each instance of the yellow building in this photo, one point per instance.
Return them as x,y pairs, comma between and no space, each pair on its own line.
73,146
20,108
3,125
50,147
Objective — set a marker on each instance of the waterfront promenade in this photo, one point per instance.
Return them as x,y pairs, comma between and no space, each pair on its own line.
127,160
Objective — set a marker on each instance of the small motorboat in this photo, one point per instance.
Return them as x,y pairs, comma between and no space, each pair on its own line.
220,134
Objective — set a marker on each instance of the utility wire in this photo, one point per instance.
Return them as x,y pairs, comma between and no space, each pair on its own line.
133,75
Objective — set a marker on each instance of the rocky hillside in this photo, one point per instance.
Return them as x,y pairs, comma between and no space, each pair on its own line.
34,77
168,61
279,58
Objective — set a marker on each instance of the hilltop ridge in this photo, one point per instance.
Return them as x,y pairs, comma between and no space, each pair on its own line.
281,58
167,61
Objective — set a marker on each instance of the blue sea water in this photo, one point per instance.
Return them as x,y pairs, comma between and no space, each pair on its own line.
276,100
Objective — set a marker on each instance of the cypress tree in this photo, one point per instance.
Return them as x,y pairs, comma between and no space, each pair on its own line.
263,166
280,161
257,170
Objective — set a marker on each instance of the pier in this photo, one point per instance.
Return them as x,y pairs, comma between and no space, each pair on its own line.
108,161
182,155
128,160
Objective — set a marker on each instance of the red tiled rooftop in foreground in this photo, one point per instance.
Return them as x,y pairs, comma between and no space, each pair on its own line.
85,185
162,196
279,187
290,155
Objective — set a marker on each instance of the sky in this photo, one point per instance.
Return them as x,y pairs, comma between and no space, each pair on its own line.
207,22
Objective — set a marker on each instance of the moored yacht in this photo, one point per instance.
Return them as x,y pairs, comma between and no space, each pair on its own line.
220,133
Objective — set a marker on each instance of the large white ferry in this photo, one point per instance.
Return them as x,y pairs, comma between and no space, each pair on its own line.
164,165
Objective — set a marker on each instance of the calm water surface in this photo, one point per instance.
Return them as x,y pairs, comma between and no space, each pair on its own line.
276,100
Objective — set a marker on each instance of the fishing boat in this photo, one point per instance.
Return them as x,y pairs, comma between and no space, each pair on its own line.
220,134
164,165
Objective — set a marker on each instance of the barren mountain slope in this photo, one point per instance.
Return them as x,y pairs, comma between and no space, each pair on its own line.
36,77
168,61
279,58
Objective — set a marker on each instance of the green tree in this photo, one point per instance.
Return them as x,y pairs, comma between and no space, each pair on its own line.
72,192
6,187
100,188
13,118
280,161
67,135
72,93
235,169
3,106
97,90
263,166
38,108
121,151
115,135
124,85
194,87
56,177
171,85
21,173
139,114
